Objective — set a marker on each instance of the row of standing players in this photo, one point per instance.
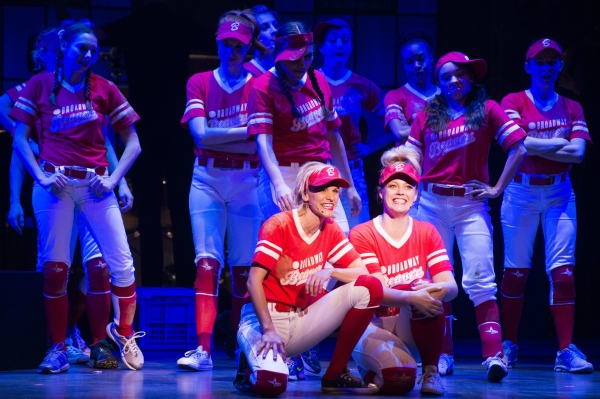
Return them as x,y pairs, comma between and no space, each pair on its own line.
454,130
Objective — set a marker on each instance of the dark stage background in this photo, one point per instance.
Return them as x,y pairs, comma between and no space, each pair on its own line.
162,43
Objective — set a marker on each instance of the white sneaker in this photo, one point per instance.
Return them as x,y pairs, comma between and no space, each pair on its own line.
497,367
75,355
130,353
446,364
75,335
432,382
195,360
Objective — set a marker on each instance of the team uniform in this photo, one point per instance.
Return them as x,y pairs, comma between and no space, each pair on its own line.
290,257
384,346
72,143
350,95
254,68
452,158
223,193
541,189
295,141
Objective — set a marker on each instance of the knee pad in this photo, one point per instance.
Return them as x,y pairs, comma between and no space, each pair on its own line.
55,278
207,277
513,282
398,380
562,285
375,289
98,276
239,277
269,384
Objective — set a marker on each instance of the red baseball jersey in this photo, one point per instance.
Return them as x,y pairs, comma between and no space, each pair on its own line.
291,256
351,94
564,119
420,252
71,135
14,93
254,68
223,106
457,154
294,139
404,103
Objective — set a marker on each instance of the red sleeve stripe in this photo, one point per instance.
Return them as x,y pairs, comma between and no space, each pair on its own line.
194,104
415,143
337,247
393,109
270,244
125,112
347,248
260,117
437,260
119,108
512,114
436,253
26,105
505,130
267,251
369,259
580,128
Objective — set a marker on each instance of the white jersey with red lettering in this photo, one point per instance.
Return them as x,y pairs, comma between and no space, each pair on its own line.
291,256
564,119
404,103
71,134
459,154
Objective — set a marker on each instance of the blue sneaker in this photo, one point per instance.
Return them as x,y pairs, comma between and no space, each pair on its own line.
295,369
310,361
571,360
446,364
511,352
55,361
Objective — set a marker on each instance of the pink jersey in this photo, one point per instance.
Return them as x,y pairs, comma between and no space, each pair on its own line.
457,155
404,103
564,119
13,94
70,135
421,250
222,106
294,140
351,94
254,68
291,257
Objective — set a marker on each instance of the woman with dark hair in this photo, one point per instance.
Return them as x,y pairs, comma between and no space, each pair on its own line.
291,114
223,197
556,138
268,25
72,175
289,267
404,254
455,132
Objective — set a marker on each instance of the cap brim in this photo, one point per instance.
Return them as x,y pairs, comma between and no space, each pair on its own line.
336,181
233,35
403,175
479,67
291,54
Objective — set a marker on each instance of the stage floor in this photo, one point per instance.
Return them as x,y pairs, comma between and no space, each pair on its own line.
160,378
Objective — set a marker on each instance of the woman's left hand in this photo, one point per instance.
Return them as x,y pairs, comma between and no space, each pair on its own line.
101,184
480,191
355,202
125,196
315,284
440,289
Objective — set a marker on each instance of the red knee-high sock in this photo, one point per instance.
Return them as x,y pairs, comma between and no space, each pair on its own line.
488,322
98,298
562,303
512,297
447,344
353,326
428,333
123,299
76,308
207,299
239,290
56,302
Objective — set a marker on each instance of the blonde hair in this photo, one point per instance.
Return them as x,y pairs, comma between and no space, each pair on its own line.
405,154
301,186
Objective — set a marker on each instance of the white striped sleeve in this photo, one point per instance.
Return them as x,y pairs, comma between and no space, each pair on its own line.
369,258
512,114
505,130
260,117
339,250
26,105
579,125
268,248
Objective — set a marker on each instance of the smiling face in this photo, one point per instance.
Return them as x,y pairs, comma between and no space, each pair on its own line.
544,68
322,200
295,70
268,28
231,52
337,46
416,61
81,53
455,81
398,196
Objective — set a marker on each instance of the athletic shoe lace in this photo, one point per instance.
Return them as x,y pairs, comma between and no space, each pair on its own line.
130,344
576,351
429,377
77,340
494,359
196,353
55,352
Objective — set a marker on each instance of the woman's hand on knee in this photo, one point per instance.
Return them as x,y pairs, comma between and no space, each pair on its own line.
315,284
271,341
424,301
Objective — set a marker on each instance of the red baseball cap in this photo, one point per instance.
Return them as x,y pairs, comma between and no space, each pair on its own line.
399,169
330,174
292,47
234,30
322,27
540,45
479,66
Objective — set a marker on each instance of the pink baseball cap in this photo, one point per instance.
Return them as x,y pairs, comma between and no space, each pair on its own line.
479,66
399,169
322,27
234,30
540,45
292,47
330,174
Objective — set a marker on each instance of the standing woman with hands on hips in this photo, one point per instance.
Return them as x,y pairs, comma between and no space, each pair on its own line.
72,174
